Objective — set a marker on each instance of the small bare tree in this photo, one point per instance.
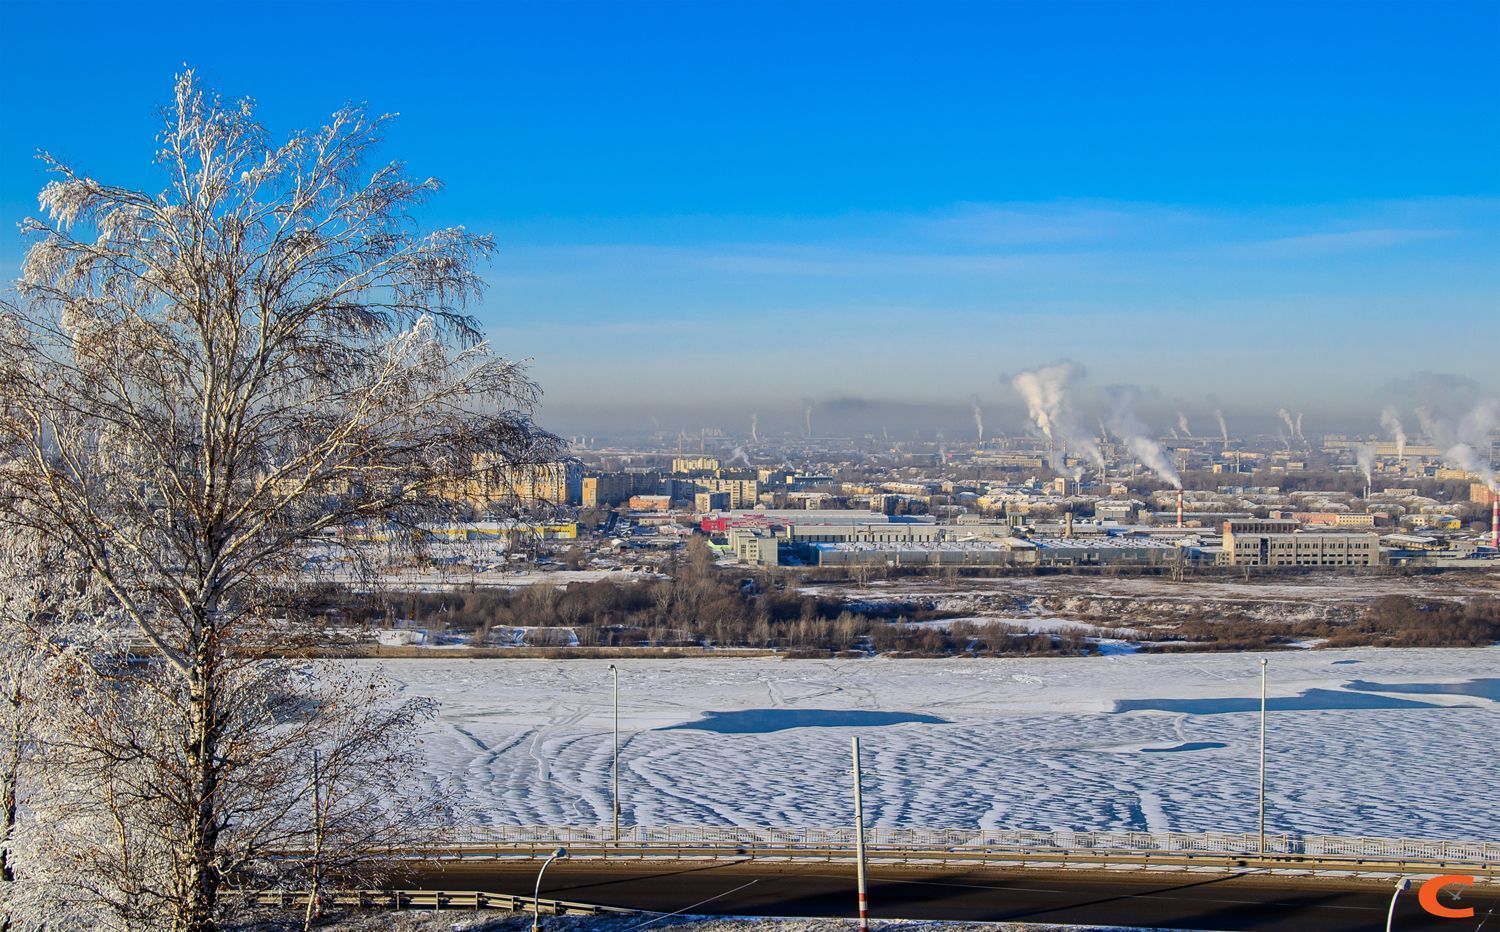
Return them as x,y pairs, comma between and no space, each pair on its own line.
199,386
359,769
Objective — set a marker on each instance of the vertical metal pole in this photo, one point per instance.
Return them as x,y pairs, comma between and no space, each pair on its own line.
1263,662
1390,914
536,899
615,793
859,844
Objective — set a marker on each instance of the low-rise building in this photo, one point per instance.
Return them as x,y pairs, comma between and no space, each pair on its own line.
1299,548
650,503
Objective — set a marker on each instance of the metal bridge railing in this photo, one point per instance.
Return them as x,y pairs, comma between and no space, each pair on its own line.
947,839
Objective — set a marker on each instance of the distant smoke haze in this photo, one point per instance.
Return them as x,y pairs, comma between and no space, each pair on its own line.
1064,391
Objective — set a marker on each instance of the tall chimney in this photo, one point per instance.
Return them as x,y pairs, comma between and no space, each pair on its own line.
1179,508
1495,520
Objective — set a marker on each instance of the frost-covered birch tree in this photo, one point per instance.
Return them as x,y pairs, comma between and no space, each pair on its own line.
35,591
197,386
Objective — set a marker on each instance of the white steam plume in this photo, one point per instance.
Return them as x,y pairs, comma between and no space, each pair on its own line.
1286,418
978,417
1045,391
1223,427
1434,428
1182,425
754,424
1467,441
807,418
1364,455
1124,424
1297,427
1390,421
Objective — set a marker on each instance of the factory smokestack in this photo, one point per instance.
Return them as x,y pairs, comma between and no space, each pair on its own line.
1495,521
1179,508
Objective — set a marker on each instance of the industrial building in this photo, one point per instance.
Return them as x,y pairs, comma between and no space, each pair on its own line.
1267,543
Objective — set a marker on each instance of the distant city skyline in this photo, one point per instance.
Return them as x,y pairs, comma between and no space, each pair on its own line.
709,210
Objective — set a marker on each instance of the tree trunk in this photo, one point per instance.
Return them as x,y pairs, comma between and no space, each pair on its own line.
7,821
7,827
197,906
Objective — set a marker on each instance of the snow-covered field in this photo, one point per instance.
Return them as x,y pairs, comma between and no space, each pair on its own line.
1012,743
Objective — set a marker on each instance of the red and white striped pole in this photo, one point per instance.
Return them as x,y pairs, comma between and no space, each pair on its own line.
1495,520
1179,508
859,845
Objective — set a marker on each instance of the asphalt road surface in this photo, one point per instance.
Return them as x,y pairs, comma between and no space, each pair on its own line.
1161,900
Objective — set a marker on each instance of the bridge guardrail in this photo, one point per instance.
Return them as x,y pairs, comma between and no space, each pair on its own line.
1187,843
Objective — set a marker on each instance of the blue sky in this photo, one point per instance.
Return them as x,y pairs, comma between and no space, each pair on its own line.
722,207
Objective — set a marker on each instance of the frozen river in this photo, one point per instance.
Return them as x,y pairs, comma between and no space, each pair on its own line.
1368,742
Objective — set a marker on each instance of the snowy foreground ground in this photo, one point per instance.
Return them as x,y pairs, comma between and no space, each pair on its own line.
1361,742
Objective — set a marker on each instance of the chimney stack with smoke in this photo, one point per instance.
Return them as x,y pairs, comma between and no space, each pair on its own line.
1495,521
1179,508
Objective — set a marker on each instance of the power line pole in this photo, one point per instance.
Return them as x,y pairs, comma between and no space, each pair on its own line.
859,844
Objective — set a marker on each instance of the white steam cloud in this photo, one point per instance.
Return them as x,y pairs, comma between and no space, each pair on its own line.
1390,422
1182,425
1223,427
1125,425
978,417
754,426
1364,455
1470,441
1045,391
1465,441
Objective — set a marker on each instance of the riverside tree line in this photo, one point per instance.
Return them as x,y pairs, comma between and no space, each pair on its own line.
700,605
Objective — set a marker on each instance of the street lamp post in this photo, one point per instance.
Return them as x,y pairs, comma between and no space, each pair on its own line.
1390,915
536,899
1263,663
615,792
